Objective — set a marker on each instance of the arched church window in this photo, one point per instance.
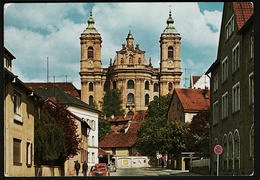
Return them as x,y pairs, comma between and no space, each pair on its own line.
146,99
131,60
146,86
90,88
170,86
155,87
90,52
91,101
155,98
130,84
170,52
130,98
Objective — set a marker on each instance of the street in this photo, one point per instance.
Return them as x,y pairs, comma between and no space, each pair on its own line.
151,172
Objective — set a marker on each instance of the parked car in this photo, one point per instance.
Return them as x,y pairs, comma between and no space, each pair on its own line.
99,169
111,167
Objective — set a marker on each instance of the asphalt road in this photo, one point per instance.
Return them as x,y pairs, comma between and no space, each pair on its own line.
151,172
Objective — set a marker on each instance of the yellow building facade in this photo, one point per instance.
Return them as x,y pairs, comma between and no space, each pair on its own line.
130,72
18,124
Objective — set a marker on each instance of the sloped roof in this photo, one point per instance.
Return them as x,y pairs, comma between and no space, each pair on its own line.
120,118
193,99
63,98
243,11
68,87
128,139
118,140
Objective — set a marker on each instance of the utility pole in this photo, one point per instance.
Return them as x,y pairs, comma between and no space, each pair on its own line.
47,69
185,69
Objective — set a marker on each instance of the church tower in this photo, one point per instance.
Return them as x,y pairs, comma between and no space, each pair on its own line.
90,65
170,62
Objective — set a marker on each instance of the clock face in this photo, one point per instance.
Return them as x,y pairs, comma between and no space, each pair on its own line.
170,62
90,61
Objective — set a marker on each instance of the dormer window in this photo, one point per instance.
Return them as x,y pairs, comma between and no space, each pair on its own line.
7,63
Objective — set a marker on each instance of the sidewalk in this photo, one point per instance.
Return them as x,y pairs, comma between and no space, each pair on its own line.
180,172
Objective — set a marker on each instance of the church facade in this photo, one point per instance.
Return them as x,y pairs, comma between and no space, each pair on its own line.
130,72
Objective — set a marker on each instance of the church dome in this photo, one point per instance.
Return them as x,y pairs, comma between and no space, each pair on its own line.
90,29
170,29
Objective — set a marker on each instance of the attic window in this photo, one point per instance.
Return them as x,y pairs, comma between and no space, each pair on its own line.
230,27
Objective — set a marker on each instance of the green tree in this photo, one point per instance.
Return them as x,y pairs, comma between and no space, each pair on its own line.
103,128
112,103
155,134
198,137
56,136
49,139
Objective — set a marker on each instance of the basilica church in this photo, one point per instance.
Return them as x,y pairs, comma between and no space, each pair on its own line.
129,72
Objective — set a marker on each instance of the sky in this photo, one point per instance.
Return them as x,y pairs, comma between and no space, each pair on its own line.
37,33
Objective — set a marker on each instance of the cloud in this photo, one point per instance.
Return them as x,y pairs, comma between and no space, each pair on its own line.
35,31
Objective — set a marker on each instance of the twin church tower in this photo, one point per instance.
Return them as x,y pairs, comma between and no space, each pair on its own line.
130,72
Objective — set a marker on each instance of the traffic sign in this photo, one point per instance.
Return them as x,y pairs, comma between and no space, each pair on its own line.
218,149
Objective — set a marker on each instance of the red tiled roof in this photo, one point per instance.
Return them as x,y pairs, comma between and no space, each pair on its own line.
243,11
120,118
193,99
68,87
118,140
128,139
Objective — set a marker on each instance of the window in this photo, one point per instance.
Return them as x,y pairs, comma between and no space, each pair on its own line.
17,103
230,27
7,63
90,88
155,87
230,150
225,153
88,157
28,153
224,69
146,85
93,140
215,82
93,157
225,105
237,150
236,97
91,101
170,86
147,99
130,84
17,151
155,98
252,45
235,57
215,113
131,60
130,98
84,154
90,53
251,88
170,52
93,125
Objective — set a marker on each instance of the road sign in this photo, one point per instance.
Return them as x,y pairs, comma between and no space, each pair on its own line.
218,149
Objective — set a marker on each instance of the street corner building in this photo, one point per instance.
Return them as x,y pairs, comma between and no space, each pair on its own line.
232,92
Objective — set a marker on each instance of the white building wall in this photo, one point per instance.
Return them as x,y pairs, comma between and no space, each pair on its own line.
92,119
